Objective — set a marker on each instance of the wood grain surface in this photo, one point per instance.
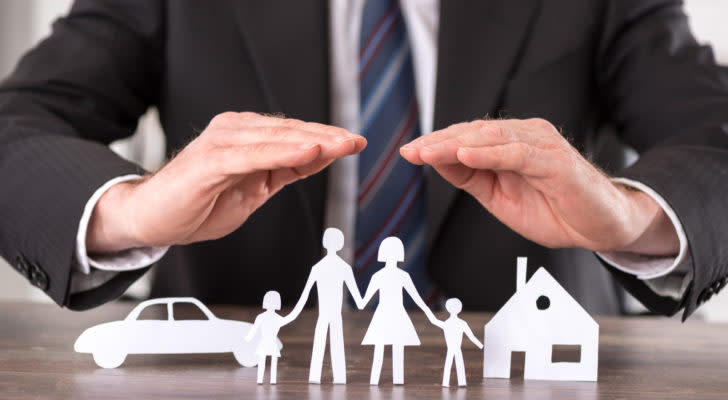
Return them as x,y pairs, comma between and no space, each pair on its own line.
640,358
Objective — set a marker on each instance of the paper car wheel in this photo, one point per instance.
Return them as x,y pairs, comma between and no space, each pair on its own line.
109,360
246,357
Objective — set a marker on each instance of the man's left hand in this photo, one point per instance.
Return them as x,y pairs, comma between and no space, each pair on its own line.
529,176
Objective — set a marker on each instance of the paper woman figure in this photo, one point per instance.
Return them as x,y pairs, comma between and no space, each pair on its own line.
268,324
454,328
390,324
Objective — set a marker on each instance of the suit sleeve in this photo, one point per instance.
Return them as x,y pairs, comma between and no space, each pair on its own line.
78,90
669,100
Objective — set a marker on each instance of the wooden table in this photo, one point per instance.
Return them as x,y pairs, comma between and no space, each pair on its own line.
640,358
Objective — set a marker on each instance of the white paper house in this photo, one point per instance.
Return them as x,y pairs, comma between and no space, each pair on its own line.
524,324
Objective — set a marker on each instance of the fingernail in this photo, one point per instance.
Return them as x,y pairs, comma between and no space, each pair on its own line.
307,146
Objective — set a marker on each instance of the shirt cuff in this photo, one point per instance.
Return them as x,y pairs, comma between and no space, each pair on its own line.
115,262
667,276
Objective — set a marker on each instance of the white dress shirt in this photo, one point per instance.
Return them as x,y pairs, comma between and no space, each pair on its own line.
667,276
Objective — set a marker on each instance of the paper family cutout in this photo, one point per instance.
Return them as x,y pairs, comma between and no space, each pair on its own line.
329,275
268,324
111,342
391,324
540,315
454,328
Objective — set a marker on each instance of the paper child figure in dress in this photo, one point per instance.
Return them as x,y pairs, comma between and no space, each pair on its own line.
330,274
390,324
268,324
454,327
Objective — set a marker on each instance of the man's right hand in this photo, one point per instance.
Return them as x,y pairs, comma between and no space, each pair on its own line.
215,183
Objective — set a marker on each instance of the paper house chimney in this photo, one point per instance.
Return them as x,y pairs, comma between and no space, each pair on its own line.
521,263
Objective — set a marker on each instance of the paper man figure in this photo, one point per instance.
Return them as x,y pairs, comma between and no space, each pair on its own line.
269,323
390,324
329,275
454,328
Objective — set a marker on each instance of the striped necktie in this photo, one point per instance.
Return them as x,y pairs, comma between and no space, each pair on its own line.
391,195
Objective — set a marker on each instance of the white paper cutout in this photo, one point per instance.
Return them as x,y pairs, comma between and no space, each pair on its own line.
330,274
454,328
391,324
111,342
266,327
520,325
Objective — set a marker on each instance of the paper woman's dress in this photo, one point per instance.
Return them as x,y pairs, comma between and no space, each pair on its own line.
390,324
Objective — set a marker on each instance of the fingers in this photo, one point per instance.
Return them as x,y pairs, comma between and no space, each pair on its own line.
444,134
441,147
285,176
241,129
477,182
535,131
523,146
332,146
520,157
246,120
263,156
313,167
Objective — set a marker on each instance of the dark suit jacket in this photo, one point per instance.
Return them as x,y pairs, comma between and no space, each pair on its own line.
581,64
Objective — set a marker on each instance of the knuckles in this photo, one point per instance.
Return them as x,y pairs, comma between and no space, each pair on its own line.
479,125
522,153
246,116
278,132
495,131
522,150
539,125
290,122
224,119
258,148
232,118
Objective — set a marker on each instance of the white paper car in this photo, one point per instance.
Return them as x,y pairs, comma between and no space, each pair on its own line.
111,342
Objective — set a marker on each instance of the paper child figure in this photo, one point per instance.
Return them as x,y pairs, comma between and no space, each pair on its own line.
330,274
269,323
390,324
454,328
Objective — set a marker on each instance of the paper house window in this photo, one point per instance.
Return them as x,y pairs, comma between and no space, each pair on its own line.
543,302
565,353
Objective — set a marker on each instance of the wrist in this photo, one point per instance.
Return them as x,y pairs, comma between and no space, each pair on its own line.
652,231
110,228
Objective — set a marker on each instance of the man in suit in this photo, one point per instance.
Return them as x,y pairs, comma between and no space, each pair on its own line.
476,195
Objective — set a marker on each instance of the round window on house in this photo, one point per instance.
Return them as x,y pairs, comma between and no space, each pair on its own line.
543,302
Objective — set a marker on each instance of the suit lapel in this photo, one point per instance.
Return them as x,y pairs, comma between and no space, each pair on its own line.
479,47
288,43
